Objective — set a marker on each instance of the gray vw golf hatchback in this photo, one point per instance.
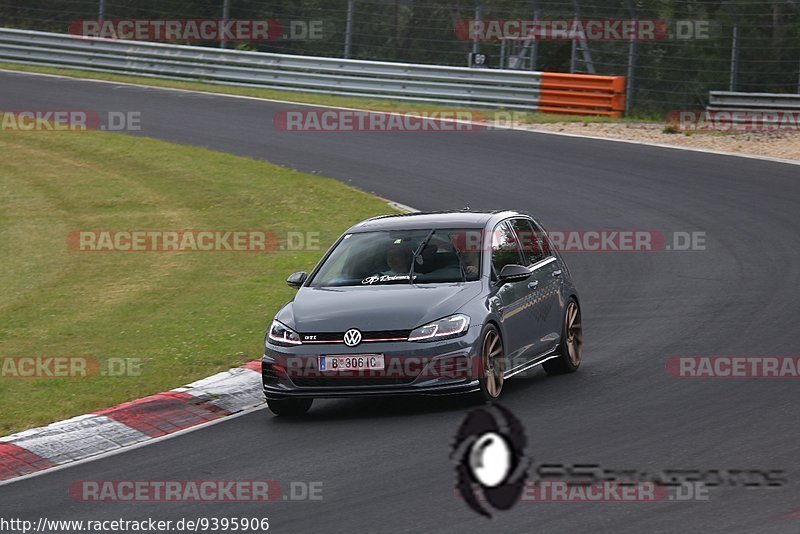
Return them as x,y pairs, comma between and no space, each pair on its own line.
427,303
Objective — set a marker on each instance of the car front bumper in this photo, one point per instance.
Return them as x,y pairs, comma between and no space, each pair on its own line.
412,368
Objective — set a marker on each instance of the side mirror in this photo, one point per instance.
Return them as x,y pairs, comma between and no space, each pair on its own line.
296,280
513,273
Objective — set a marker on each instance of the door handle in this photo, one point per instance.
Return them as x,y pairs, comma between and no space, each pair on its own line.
557,273
533,284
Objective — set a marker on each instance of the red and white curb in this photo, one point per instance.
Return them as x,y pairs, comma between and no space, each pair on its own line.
131,423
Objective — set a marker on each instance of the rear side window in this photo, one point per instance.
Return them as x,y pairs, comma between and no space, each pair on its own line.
505,248
530,241
543,241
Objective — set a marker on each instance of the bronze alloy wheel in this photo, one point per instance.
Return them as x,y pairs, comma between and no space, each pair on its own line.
493,361
574,332
570,350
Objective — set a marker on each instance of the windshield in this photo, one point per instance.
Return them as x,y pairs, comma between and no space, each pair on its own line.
372,258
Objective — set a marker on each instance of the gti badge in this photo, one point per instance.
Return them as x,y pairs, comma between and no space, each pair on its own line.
352,337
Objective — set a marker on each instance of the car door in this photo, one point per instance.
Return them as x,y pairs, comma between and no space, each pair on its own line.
550,273
543,309
512,298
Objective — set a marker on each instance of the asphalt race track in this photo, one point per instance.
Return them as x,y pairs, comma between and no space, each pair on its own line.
384,464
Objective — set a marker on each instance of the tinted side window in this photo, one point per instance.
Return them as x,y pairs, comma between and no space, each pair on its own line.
505,249
529,240
543,240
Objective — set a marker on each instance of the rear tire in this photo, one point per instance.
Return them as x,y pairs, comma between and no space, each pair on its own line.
289,407
570,349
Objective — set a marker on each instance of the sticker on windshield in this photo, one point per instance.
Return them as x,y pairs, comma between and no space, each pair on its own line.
385,278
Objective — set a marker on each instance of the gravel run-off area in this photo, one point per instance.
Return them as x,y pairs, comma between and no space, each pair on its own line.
783,144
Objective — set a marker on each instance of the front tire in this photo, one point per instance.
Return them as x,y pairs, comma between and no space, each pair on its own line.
570,349
289,407
493,365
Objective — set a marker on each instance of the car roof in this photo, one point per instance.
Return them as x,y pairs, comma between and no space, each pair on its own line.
440,219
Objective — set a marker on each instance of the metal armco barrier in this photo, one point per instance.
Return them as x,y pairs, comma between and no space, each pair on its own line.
451,86
764,105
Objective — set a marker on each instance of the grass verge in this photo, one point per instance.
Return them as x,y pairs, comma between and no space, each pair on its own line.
185,315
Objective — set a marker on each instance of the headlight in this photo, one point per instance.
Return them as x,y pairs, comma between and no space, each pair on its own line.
282,335
449,327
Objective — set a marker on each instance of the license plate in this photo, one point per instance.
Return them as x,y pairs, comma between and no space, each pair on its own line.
355,362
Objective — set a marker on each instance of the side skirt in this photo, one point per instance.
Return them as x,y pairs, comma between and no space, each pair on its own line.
538,360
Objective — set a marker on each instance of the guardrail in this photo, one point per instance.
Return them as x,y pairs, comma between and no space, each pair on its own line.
763,105
450,86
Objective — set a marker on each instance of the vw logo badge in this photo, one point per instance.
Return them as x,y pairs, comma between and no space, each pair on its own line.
352,337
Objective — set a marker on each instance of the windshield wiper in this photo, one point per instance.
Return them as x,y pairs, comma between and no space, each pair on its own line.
416,253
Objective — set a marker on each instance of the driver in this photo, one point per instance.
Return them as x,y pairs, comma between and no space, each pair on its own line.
398,258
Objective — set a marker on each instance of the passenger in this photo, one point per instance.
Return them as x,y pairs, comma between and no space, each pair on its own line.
472,262
470,253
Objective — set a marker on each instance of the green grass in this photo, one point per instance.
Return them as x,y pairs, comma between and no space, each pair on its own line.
308,98
186,315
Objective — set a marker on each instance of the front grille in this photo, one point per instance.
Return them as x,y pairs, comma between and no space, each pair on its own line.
338,337
385,334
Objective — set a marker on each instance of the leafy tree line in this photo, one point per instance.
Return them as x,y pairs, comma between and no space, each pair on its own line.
669,73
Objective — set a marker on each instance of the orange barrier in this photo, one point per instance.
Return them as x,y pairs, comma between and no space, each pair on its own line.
582,94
